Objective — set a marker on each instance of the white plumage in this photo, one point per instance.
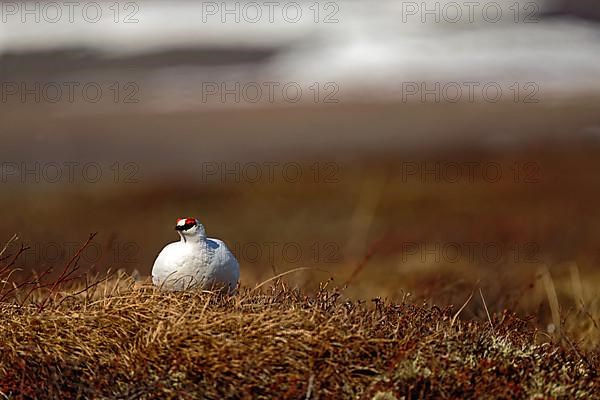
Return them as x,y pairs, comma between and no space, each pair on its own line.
195,262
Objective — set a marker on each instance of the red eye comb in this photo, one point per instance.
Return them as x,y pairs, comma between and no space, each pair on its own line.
186,221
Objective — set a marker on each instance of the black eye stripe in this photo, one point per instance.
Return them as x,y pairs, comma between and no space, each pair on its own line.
184,227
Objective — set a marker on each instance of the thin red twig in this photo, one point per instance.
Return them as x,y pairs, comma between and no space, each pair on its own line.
66,271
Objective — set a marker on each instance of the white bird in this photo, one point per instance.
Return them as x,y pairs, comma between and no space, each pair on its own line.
195,262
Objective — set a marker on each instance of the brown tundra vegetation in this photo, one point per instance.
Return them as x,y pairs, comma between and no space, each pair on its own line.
77,336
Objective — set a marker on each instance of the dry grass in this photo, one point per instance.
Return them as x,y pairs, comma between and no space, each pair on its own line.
119,339
67,334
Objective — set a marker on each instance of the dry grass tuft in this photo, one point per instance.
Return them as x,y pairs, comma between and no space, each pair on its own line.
72,334
123,340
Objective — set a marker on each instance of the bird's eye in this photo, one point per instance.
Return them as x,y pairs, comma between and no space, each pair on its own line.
183,224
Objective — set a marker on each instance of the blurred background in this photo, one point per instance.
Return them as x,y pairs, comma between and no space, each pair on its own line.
427,147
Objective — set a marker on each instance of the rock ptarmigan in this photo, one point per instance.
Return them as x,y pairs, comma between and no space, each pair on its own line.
195,262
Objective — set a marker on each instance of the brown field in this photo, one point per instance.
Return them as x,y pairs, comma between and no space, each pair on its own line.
121,341
513,314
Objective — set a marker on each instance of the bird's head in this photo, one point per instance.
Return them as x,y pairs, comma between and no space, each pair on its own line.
189,228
